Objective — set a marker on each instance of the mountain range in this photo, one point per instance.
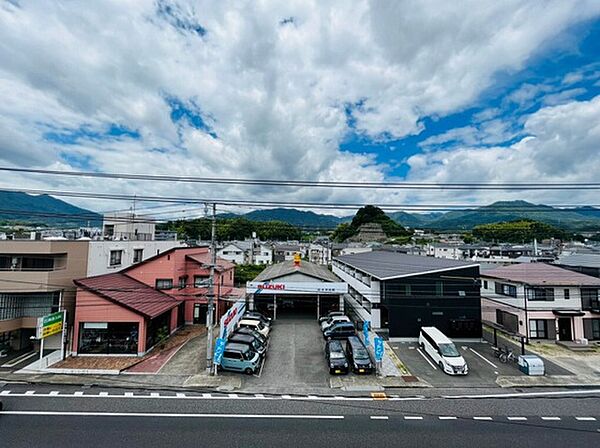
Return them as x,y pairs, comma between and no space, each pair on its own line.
16,207
22,207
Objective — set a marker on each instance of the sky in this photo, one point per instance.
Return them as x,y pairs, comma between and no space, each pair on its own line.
428,91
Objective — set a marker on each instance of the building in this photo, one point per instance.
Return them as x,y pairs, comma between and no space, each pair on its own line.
286,252
263,254
131,310
296,287
36,278
127,226
588,264
542,301
400,293
238,252
319,254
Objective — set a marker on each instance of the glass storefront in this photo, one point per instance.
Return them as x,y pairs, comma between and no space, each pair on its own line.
108,338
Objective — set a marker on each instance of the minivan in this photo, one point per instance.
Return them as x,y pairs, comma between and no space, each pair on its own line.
240,358
250,341
332,320
256,324
336,357
329,315
442,351
358,356
339,330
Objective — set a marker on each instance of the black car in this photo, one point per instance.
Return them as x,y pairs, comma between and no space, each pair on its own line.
358,356
339,330
330,314
336,358
252,332
258,316
251,341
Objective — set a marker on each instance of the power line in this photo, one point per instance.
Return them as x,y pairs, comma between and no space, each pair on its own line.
321,184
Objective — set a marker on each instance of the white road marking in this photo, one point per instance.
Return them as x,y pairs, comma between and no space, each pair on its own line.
517,419
103,394
447,417
154,394
413,417
233,395
53,393
174,415
23,357
206,395
426,359
129,394
180,395
379,417
78,394
553,419
5,392
259,395
482,418
30,392
484,358
527,394
586,419
412,347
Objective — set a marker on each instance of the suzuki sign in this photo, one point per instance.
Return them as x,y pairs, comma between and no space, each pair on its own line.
296,288
231,318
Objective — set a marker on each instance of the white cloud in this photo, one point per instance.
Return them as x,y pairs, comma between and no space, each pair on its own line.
276,92
561,146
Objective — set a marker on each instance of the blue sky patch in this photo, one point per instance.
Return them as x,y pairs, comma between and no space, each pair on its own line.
181,20
190,113
113,131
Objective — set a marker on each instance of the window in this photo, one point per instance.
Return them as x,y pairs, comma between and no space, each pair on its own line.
538,329
183,281
439,289
407,290
595,329
567,294
541,294
105,338
507,320
164,283
505,289
589,299
115,258
201,281
485,284
138,254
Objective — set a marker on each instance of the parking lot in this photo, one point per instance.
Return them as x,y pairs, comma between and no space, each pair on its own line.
484,368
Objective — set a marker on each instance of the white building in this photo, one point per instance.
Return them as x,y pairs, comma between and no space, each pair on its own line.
127,226
319,254
263,254
238,252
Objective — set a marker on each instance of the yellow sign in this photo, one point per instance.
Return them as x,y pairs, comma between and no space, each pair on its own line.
50,324
52,329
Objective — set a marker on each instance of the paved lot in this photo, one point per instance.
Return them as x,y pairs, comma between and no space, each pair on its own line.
295,358
484,368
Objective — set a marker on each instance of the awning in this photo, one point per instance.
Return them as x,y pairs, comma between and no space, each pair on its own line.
568,313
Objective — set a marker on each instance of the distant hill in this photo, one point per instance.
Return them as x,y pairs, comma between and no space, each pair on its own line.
503,211
43,209
304,219
414,219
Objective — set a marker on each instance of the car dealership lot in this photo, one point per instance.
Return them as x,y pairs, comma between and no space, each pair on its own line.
484,368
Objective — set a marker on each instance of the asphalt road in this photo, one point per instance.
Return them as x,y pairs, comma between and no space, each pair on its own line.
38,416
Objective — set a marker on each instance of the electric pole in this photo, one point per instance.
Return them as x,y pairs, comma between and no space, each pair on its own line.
211,291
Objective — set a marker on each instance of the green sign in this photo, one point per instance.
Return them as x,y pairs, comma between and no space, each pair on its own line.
50,324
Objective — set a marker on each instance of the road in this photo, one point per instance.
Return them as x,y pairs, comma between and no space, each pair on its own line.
38,416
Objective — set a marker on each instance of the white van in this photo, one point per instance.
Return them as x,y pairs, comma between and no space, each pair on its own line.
442,351
255,324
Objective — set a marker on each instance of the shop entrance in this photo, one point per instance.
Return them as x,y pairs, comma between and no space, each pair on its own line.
309,306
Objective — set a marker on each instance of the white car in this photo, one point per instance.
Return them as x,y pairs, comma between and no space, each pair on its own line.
443,351
332,320
256,324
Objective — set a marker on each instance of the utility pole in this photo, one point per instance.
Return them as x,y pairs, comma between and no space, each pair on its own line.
211,292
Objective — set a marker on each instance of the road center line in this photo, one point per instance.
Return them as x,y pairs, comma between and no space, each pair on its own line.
484,358
413,417
483,418
379,417
552,419
527,394
426,359
174,415
517,419
586,419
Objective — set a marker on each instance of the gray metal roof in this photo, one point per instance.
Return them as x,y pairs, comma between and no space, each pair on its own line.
284,268
386,265
583,260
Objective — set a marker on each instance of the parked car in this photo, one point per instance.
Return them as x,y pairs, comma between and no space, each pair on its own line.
329,322
339,330
336,358
240,358
256,324
330,315
442,351
250,341
358,356
255,315
252,332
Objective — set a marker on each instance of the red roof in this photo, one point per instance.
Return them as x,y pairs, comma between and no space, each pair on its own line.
204,259
539,274
130,293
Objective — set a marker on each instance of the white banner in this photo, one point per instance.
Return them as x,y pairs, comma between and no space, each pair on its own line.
296,288
230,319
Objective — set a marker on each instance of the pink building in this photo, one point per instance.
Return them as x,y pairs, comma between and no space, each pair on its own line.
129,311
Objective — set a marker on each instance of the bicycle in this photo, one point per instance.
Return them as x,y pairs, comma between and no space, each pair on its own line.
504,354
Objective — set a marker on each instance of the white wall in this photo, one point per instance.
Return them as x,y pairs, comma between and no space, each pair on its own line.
99,253
369,288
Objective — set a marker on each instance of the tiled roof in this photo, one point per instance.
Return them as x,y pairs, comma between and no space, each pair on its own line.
539,274
282,269
388,265
130,293
204,259
583,260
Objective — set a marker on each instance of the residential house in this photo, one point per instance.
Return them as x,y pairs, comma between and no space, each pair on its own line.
542,301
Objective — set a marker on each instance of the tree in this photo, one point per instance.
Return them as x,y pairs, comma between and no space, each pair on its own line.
370,214
520,231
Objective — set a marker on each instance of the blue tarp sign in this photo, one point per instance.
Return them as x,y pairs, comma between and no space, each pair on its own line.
379,349
366,332
219,349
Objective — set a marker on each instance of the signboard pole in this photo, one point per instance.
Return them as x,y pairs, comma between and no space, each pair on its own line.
62,336
41,350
